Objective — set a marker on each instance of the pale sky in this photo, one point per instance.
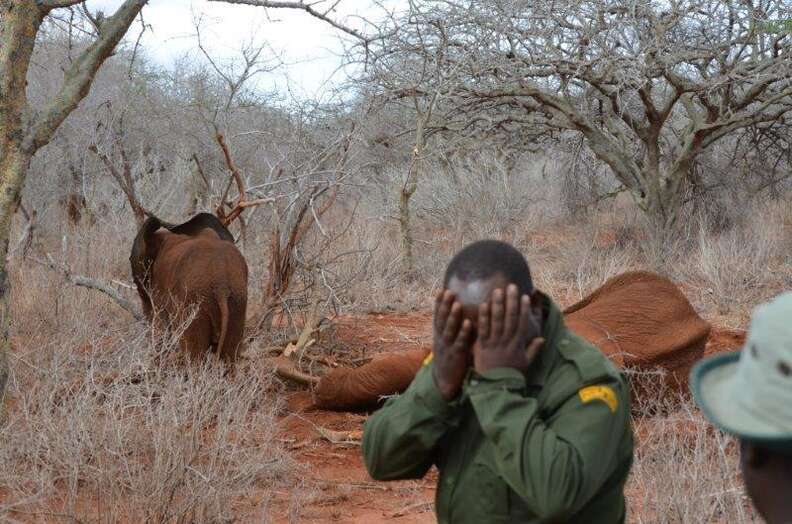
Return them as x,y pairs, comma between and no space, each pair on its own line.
308,46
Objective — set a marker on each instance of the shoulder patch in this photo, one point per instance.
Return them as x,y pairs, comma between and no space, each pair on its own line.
603,393
428,358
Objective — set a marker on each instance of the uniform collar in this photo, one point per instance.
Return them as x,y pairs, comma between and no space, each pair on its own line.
552,331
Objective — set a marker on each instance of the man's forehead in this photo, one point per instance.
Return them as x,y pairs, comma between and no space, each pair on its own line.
475,291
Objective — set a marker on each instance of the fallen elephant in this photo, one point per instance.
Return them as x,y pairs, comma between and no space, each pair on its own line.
641,320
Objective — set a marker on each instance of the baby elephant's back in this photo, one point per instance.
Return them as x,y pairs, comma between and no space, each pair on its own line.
195,265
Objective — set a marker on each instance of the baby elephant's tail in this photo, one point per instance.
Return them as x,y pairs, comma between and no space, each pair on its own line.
222,303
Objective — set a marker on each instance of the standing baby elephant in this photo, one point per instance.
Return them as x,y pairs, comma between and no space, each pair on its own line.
195,265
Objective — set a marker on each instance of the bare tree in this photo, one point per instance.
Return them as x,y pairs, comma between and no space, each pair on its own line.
418,85
25,129
121,169
650,86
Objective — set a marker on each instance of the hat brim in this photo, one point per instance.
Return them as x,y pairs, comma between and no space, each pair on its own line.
715,385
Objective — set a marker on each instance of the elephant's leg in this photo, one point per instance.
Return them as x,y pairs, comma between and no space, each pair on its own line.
197,338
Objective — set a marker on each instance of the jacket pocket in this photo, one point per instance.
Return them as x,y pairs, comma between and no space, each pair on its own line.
493,492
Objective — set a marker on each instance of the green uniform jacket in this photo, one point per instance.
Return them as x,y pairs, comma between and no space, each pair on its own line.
552,445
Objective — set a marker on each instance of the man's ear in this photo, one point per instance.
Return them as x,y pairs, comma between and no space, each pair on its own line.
751,456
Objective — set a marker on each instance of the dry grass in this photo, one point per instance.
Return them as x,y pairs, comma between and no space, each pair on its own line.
684,471
111,430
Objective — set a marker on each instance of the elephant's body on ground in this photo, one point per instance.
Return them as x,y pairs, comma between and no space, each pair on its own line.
641,320
193,269
644,323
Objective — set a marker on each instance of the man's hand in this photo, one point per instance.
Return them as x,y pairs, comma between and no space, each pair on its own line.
508,332
453,339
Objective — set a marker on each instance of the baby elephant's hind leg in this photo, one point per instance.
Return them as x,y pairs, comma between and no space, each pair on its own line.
197,338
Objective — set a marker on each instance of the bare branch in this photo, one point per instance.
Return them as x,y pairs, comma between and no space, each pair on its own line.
78,78
92,283
125,182
136,47
26,238
308,8
54,4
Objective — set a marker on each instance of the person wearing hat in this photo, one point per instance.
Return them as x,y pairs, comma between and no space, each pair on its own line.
749,395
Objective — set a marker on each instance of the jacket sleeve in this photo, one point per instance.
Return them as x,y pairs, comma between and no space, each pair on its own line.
557,465
399,439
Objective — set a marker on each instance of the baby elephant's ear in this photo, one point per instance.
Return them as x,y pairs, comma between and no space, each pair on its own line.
144,248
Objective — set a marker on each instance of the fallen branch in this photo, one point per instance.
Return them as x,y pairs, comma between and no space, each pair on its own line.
353,438
107,289
421,507
305,340
92,283
284,368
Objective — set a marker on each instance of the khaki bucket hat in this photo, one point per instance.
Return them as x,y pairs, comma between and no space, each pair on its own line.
749,393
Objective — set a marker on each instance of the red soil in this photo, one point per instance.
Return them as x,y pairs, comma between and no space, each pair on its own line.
346,492
343,491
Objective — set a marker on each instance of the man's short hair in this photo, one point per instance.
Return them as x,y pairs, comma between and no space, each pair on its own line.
485,258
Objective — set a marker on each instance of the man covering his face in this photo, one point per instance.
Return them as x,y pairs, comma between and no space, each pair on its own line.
525,421
749,394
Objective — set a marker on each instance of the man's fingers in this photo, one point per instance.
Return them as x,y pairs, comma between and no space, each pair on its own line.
525,312
442,309
484,321
511,317
452,324
533,349
464,337
529,328
496,328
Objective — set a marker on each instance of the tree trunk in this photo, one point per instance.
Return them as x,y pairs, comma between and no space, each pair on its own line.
22,130
18,27
407,191
662,198
13,168
411,183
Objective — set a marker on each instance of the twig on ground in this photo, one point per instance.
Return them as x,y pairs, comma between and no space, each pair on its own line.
284,368
305,340
353,438
418,507
335,437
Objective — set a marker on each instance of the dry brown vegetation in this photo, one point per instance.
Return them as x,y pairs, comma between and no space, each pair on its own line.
104,427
